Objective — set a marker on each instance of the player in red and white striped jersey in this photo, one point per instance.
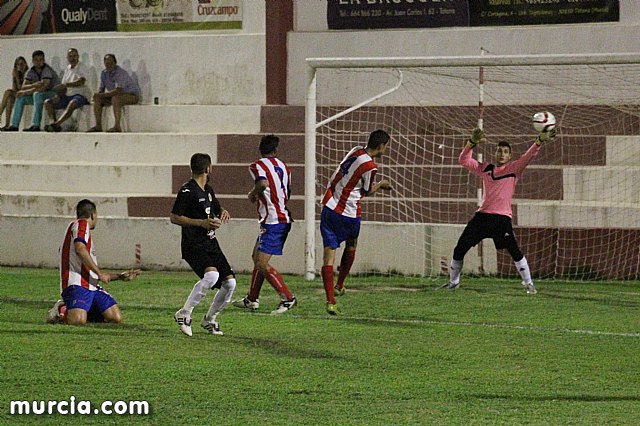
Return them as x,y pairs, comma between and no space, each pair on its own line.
82,297
340,217
271,191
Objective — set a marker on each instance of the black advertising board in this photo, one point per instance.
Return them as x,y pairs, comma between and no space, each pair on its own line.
376,14
538,12
21,17
84,16
347,14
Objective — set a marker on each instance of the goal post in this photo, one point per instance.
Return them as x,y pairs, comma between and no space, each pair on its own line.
575,207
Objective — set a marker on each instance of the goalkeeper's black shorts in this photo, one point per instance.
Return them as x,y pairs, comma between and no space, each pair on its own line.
485,225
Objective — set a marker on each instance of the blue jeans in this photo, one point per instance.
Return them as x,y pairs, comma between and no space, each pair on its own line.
37,99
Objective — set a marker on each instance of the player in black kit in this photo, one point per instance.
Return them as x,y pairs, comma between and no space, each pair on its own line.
199,213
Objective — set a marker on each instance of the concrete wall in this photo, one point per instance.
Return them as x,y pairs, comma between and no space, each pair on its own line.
311,39
382,247
184,68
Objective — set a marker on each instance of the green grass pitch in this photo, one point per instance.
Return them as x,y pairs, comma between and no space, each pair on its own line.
402,354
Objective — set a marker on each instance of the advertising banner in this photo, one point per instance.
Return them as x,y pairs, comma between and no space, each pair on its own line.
179,15
20,17
375,14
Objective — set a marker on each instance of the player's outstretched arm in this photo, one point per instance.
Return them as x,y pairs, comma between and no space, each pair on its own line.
544,137
208,223
129,275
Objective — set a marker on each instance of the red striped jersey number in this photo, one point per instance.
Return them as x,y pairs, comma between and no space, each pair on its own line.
280,173
346,165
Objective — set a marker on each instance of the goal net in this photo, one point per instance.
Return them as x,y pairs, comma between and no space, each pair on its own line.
576,207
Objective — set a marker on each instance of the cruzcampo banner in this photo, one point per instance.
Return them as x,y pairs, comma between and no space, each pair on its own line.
179,15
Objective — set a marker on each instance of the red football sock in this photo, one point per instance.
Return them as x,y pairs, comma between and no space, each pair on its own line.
348,256
256,285
276,281
327,281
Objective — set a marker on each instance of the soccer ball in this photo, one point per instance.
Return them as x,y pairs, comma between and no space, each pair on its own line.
543,121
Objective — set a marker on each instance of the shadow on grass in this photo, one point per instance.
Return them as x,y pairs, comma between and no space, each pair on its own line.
577,297
573,398
277,347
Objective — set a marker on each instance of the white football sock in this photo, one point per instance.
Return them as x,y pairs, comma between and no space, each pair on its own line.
222,299
200,290
455,270
523,269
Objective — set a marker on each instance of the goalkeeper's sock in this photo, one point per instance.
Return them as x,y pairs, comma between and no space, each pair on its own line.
221,299
276,281
523,269
200,290
256,285
348,256
327,281
455,270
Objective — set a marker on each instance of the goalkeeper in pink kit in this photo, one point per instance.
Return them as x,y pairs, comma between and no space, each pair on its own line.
493,218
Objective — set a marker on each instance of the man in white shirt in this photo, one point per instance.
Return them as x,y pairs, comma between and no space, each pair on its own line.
73,92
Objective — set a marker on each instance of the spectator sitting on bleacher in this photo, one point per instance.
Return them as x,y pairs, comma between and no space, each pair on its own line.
71,94
116,89
20,67
36,88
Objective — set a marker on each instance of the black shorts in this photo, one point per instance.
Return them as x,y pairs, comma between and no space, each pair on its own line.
209,257
494,226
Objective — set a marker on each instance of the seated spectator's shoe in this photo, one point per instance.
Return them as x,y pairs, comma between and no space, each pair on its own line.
31,129
54,316
212,327
339,291
94,129
530,288
333,309
284,306
52,128
114,130
246,303
10,129
184,321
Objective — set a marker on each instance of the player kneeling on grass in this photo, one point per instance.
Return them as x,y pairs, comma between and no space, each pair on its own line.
493,218
271,191
199,213
340,217
82,298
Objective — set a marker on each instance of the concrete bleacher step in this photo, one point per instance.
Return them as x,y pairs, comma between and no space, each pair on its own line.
85,177
218,119
161,148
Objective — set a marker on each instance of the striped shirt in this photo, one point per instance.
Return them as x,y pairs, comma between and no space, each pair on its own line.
498,182
72,270
272,203
351,181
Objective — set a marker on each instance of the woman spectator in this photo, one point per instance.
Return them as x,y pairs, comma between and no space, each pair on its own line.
20,67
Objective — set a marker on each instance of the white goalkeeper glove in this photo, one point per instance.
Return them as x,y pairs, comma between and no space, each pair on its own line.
544,137
477,136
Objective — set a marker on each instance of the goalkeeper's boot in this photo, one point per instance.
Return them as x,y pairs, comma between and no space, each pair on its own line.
530,288
339,291
450,286
333,309
246,303
284,306
184,321
212,327
54,315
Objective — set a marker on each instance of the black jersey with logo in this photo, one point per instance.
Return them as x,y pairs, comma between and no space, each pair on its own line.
195,203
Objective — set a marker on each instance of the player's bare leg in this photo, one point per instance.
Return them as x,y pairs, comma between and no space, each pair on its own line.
112,315
76,316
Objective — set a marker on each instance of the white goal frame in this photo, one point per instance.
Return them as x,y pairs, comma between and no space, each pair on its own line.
314,64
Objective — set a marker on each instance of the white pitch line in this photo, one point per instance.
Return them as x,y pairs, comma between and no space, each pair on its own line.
482,324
